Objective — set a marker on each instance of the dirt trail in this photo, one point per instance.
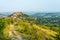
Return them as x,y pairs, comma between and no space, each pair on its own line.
13,34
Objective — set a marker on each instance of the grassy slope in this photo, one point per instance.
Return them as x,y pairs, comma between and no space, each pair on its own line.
29,31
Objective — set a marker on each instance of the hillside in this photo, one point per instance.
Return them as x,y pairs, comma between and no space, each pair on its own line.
51,23
16,29
19,26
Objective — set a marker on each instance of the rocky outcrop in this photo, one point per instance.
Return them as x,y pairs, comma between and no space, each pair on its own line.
15,14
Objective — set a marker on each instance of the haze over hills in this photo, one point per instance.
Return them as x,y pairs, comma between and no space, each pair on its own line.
52,14
20,26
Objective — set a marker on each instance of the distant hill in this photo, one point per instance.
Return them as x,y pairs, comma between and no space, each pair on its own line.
6,13
30,13
47,15
3,14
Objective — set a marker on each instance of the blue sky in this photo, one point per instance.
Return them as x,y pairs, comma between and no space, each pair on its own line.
30,5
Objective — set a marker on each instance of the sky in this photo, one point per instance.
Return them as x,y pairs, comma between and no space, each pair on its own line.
30,5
